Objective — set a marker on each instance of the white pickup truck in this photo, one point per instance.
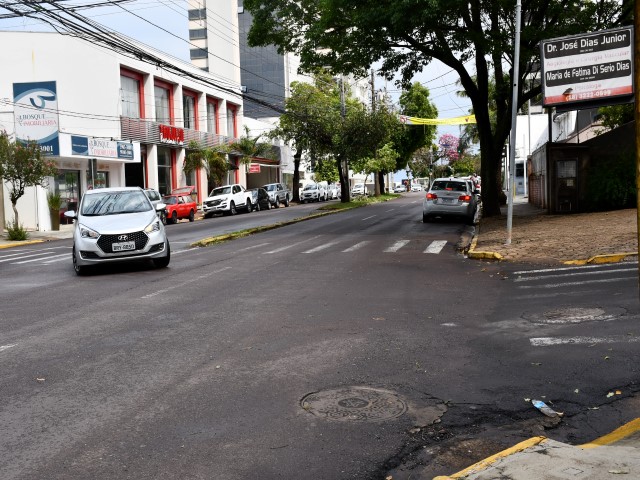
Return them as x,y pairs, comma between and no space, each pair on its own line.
227,199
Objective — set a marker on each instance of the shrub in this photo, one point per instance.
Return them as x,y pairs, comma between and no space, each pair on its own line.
611,183
16,232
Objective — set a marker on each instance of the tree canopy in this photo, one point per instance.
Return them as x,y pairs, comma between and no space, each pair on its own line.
472,37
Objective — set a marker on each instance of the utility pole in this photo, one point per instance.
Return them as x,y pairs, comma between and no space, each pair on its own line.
514,112
373,91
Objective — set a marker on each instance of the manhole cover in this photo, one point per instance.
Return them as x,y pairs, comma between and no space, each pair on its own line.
354,404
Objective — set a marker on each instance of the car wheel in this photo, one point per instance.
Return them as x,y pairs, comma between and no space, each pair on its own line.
232,208
77,268
163,217
425,218
286,201
249,206
164,261
276,203
174,217
192,216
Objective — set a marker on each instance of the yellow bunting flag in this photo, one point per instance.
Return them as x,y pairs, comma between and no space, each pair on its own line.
437,121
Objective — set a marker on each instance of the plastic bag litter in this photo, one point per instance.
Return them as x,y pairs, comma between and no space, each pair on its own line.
544,408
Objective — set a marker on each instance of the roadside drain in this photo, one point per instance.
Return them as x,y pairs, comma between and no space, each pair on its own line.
359,404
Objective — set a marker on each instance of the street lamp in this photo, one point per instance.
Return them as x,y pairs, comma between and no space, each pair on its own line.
408,180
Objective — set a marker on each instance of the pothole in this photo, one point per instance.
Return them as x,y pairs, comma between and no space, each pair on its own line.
354,404
573,315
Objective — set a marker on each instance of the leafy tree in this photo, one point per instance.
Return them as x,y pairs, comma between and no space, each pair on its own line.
212,160
247,148
415,102
472,37
22,166
615,115
326,170
384,160
449,145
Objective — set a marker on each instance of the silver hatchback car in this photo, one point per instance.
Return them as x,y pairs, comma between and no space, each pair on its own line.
118,225
450,197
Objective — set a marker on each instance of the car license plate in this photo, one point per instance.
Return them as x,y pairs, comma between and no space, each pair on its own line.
121,247
448,200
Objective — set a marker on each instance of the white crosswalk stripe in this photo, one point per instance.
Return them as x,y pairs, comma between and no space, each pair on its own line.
396,246
320,247
355,247
436,246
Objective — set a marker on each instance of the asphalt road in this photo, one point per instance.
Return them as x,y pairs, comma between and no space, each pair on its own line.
354,345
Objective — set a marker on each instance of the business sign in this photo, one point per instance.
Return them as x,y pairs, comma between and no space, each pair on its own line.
172,135
100,147
36,115
254,168
589,68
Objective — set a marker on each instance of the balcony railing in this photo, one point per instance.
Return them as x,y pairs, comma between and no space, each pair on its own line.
148,131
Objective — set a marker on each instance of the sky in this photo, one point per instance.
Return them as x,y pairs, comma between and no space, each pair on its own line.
170,34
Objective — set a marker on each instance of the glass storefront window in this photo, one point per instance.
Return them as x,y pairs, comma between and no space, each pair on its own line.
101,180
67,184
130,88
211,118
163,111
189,111
164,170
231,122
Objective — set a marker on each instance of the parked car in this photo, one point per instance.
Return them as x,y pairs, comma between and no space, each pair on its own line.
323,194
180,206
416,187
400,189
358,189
278,194
260,199
227,200
450,197
310,193
156,198
117,225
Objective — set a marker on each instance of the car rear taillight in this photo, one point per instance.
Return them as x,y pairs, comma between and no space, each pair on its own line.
464,198
431,196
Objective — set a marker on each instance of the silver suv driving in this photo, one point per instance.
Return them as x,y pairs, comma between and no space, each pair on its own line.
450,197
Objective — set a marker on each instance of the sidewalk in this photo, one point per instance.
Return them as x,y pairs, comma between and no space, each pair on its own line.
66,231
537,237
540,458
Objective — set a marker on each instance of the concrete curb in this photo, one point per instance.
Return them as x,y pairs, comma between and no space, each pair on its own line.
482,255
599,259
20,244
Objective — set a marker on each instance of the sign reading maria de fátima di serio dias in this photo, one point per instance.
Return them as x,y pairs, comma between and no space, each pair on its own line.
587,68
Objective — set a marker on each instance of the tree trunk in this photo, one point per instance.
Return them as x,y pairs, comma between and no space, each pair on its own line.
376,183
381,182
296,175
16,222
344,181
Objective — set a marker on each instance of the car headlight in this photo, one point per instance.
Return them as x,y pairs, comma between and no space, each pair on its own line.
86,232
153,227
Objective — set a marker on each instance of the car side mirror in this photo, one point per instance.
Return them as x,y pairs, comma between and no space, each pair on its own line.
160,206
71,214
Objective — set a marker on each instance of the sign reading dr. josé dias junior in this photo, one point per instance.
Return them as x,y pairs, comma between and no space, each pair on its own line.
588,68
36,114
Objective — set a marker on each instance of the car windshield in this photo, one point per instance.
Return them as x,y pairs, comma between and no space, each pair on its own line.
451,186
269,188
310,187
220,191
169,200
113,203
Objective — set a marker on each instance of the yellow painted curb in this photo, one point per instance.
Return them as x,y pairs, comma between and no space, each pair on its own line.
481,255
483,464
618,434
25,242
599,259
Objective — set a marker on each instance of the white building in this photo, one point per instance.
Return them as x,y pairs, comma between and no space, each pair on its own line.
133,117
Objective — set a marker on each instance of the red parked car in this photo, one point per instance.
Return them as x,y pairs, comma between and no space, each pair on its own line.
179,206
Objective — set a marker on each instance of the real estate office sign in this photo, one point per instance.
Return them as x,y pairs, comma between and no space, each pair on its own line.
36,114
594,68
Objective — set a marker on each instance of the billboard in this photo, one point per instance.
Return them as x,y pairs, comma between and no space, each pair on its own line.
588,68
101,147
36,115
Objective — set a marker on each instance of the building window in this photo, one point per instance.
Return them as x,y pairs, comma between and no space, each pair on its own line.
190,110
164,170
197,33
212,117
198,53
231,122
131,95
163,104
198,14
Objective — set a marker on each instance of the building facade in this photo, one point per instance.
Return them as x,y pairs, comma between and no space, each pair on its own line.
110,120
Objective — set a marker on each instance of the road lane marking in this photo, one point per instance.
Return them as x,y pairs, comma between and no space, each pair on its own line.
185,250
64,255
281,249
367,218
253,246
396,246
321,247
177,286
25,256
574,284
565,269
436,246
7,347
599,272
355,247
550,341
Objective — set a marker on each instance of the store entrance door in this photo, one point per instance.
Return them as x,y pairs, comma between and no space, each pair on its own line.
67,184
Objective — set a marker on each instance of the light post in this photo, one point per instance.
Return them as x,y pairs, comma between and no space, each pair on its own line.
408,180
